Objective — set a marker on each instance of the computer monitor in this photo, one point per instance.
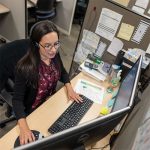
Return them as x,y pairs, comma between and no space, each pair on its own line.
99,127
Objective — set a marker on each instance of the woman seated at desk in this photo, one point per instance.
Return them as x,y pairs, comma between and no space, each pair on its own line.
37,74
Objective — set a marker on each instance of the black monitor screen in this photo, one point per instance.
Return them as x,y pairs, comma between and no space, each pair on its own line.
97,128
125,92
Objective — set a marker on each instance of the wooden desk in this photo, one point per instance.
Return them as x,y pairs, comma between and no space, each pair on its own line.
45,115
3,9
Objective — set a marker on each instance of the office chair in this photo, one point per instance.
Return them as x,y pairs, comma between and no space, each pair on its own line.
45,9
80,11
10,54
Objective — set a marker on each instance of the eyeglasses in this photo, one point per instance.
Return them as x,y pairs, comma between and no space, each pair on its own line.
49,46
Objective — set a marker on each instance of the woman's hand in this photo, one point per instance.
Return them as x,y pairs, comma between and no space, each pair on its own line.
26,135
72,95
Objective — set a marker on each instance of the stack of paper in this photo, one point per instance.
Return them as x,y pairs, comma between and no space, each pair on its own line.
93,73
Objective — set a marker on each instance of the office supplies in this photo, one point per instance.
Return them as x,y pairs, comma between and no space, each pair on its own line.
93,73
90,65
72,115
105,68
108,23
94,58
104,111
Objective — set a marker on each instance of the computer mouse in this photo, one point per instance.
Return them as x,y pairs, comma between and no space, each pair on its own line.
37,135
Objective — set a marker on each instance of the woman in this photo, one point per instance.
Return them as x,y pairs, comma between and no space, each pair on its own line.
37,74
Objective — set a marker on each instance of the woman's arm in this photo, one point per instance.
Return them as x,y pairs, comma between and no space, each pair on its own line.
72,95
26,135
19,109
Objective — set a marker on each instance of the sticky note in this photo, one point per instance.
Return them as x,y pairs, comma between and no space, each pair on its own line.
104,111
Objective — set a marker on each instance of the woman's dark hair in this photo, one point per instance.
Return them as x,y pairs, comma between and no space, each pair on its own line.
28,65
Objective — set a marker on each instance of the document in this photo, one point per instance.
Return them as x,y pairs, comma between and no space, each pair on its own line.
148,49
115,46
122,2
140,31
88,45
148,11
142,3
101,49
138,10
92,91
125,31
108,24
80,54
90,39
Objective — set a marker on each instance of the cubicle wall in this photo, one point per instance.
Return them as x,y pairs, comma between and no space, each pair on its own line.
65,14
129,18
12,24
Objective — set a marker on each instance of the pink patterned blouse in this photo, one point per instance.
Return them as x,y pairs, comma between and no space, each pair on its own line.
49,75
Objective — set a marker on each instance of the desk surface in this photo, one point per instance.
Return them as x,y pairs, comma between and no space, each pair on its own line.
51,110
3,9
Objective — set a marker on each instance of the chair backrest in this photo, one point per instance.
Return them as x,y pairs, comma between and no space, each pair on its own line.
45,5
10,54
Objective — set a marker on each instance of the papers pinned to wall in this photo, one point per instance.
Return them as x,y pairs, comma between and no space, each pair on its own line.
101,49
138,9
88,45
115,46
140,31
122,2
148,49
80,54
125,31
108,23
142,3
90,40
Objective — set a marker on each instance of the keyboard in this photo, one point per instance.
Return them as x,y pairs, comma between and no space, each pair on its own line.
71,116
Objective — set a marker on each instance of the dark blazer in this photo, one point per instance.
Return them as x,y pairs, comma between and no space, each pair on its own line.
24,94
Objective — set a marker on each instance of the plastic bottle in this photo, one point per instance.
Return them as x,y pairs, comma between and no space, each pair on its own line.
114,71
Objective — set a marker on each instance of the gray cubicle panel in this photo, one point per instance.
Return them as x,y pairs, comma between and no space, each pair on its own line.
12,24
129,17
